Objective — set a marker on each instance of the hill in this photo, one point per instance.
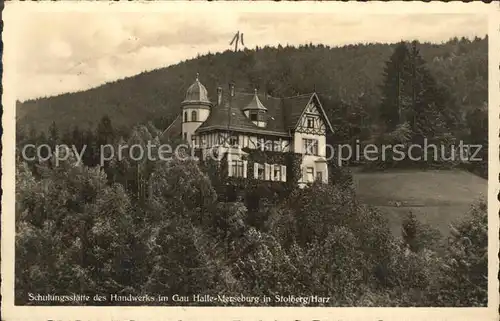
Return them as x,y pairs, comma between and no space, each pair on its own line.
438,198
350,74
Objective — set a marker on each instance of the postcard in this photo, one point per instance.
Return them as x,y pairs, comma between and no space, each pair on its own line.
250,161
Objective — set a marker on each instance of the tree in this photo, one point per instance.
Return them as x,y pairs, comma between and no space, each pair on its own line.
410,94
465,272
53,139
74,229
394,96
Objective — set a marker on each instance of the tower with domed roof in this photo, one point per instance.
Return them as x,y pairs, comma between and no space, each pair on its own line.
195,109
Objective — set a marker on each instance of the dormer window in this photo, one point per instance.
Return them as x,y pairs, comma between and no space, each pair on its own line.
256,111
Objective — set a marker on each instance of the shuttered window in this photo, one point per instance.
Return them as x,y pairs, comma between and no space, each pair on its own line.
276,173
283,173
236,168
267,172
245,166
258,171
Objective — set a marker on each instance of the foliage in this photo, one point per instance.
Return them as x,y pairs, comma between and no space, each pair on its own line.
465,272
183,227
418,236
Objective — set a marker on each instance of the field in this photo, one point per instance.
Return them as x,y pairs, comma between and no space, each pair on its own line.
438,198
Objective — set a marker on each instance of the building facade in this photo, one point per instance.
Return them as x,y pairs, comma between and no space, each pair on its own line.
238,121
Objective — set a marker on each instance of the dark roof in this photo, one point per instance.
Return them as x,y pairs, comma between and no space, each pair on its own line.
282,115
174,130
231,115
294,107
255,103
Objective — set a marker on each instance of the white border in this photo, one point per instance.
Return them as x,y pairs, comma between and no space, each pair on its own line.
11,312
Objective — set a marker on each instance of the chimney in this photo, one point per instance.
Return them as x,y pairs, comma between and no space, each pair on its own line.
219,95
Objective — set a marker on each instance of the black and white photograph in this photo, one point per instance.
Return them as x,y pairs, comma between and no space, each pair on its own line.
219,156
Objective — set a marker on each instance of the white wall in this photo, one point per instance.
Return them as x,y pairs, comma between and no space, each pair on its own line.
190,127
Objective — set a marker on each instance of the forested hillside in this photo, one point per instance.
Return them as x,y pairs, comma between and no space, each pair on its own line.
136,225
350,75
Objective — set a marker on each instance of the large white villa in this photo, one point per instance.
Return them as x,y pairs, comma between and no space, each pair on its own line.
238,120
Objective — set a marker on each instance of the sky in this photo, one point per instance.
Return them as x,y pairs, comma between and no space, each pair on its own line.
72,51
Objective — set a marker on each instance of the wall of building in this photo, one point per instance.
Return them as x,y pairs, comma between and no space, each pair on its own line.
245,141
311,160
191,125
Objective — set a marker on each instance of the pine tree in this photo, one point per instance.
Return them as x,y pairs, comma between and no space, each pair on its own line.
54,138
105,131
394,95
104,136
411,94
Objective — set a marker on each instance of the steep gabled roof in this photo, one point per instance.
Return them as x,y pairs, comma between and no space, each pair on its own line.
301,101
294,107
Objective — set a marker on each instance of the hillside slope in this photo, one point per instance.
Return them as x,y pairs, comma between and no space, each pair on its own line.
344,73
438,198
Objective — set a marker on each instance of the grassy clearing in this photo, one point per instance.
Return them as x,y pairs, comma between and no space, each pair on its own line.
438,198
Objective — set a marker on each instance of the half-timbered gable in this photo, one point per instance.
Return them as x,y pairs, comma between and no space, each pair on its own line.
313,119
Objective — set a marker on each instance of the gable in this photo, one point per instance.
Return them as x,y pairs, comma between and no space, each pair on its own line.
312,109
311,123
312,112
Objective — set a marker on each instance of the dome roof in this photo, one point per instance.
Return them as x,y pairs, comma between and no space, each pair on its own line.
196,93
255,103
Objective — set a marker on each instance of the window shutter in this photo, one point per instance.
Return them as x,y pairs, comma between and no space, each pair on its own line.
229,168
283,173
255,170
245,165
271,172
266,171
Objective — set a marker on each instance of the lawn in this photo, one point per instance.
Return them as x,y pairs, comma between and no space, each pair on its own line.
438,198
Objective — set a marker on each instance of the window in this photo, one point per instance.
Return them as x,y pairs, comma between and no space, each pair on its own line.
185,116
222,139
277,173
259,171
245,141
193,141
319,176
237,169
310,174
310,122
233,140
310,146
185,137
194,116
253,116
